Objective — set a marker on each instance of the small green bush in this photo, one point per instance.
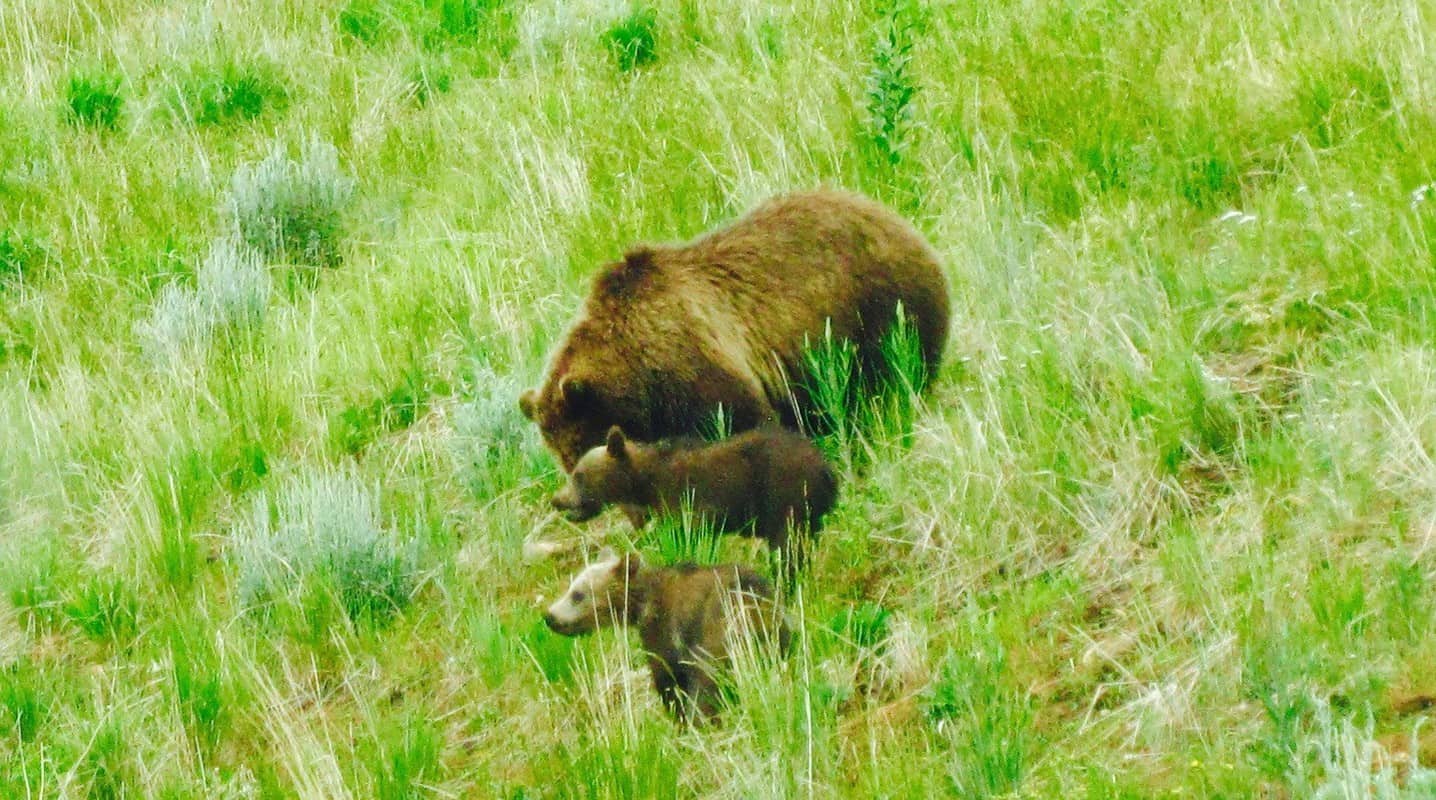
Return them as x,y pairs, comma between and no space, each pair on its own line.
233,93
20,257
94,100
890,87
633,40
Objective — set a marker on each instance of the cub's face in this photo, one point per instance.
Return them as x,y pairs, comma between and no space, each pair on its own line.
595,596
603,475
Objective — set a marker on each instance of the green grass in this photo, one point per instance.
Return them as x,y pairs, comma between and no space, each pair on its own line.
273,274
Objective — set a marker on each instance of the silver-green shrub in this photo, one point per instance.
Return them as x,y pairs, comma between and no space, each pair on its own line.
292,210
315,544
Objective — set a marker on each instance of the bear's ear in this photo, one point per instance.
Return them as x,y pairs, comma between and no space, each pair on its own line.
616,443
632,563
606,555
576,392
528,404
639,259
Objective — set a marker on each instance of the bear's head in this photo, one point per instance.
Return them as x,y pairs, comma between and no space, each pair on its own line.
569,413
603,475
597,596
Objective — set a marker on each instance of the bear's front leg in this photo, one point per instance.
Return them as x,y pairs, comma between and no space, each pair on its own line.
637,515
669,689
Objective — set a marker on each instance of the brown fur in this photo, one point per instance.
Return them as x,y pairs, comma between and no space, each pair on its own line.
685,616
672,332
770,483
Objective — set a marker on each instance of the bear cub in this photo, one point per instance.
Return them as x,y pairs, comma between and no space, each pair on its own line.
689,618
770,483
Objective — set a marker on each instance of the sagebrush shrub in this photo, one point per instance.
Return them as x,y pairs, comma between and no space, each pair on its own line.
231,292
233,284
493,445
177,321
316,544
292,210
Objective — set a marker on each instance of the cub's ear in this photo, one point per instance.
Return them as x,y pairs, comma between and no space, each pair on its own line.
632,563
607,554
528,404
616,442
576,393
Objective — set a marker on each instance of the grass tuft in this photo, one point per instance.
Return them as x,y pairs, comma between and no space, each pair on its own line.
20,258
632,42
94,100
232,93
987,726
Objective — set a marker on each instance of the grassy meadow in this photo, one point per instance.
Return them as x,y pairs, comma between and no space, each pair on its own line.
273,273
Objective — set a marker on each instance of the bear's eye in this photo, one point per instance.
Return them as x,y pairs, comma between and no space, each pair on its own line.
578,597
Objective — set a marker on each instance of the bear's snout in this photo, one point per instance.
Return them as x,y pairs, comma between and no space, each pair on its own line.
559,626
574,509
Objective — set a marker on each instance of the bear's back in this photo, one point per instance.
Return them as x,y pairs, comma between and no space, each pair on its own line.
686,618
794,470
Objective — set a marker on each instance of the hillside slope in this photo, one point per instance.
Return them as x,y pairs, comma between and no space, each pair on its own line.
273,273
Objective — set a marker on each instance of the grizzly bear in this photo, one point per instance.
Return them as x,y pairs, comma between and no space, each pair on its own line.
688,618
671,334
770,482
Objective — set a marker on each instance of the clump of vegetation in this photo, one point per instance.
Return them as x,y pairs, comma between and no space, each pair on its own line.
177,323
232,93
231,293
104,608
25,699
988,725
861,408
94,100
429,77
493,445
633,40
407,758
315,550
434,24
890,87
233,284
205,696
20,257
685,538
292,210
357,426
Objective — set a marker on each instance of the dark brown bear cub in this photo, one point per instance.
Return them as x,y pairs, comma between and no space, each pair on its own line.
691,620
770,483
671,333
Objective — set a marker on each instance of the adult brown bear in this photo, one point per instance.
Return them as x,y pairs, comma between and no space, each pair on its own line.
670,333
